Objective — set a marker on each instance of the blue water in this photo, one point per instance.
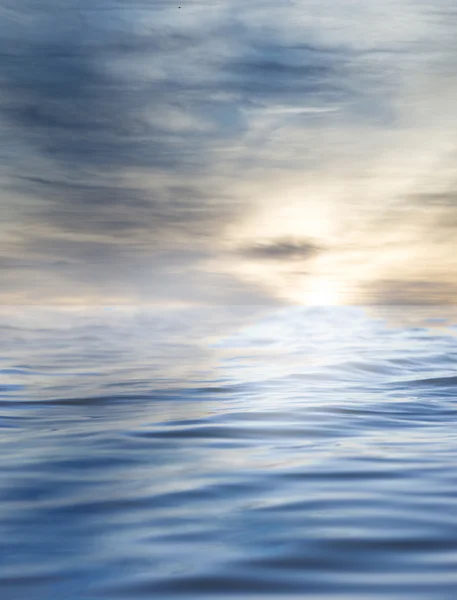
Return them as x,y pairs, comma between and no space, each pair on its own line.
227,453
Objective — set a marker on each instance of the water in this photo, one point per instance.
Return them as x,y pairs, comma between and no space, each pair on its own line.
228,453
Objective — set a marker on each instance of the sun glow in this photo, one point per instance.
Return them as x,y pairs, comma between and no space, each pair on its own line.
323,291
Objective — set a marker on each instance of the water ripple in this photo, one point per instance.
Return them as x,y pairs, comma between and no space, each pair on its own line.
228,469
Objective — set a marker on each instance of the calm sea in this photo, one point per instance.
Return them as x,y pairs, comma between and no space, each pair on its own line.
236,452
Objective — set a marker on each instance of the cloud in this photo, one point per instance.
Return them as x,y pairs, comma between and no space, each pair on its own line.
141,137
114,96
89,95
420,292
281,250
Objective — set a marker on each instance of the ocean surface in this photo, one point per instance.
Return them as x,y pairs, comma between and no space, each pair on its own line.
228,452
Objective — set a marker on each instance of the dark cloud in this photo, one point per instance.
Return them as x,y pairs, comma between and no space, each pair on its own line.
66,96
9,263
440,199
108,209
412,292
100,95
288,75
282,250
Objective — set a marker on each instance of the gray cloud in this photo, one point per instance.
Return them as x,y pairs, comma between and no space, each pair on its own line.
100,95
282,250
416,292
130,126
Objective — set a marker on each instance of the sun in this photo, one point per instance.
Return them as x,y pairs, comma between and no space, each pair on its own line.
323,291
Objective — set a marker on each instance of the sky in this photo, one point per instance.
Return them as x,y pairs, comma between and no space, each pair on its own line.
228,152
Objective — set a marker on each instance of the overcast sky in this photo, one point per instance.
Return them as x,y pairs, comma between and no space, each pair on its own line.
228,152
